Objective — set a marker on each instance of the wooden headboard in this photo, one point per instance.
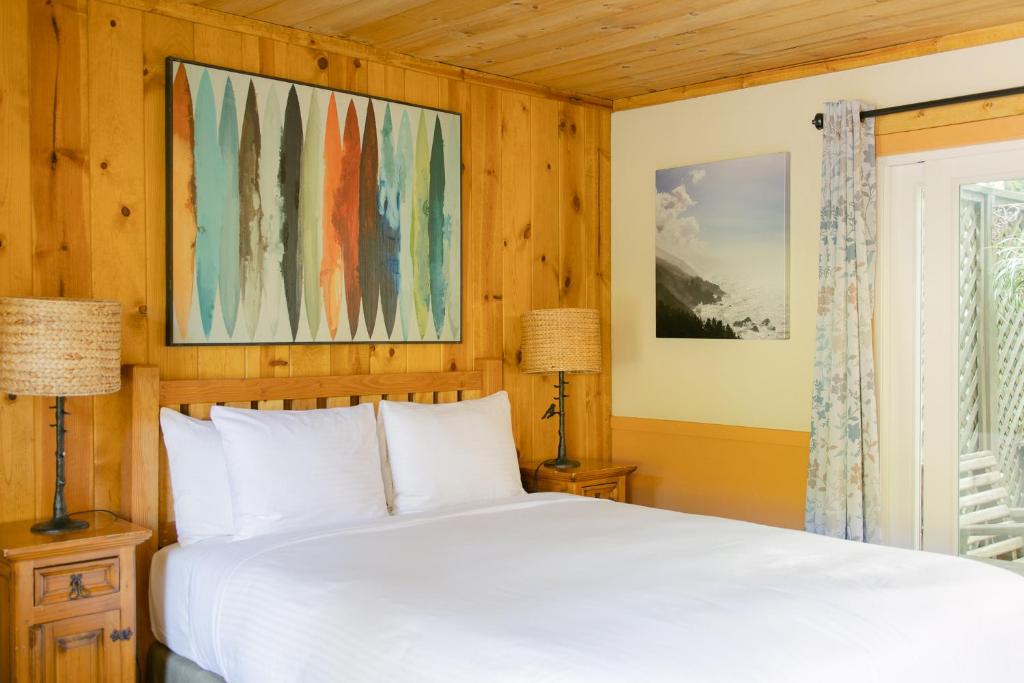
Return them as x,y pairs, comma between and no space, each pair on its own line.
146,492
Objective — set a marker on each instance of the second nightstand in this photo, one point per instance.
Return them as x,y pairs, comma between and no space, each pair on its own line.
593,478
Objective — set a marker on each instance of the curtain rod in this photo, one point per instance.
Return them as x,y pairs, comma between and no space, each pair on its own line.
819,119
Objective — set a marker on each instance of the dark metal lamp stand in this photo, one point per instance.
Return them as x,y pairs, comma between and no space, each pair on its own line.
561,462
60,523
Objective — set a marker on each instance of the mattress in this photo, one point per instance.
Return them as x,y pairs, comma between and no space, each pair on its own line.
170,594
549,587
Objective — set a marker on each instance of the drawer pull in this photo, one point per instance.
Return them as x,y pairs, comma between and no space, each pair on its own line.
123,634
76,588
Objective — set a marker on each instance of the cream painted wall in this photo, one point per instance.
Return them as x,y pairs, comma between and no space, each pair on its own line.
768,383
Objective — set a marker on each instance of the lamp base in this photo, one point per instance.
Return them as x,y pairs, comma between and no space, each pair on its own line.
560,464
60,525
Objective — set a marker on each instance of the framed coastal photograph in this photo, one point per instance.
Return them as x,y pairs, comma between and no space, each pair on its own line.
301,214
722,249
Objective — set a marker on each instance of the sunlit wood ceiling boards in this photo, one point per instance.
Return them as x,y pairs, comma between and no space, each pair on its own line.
624,49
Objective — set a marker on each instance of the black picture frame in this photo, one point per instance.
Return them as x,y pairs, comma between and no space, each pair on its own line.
170,62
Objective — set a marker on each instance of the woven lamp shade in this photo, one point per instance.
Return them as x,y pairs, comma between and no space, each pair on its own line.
59,347
561,340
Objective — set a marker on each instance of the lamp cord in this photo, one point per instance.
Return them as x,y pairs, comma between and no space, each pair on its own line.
109,512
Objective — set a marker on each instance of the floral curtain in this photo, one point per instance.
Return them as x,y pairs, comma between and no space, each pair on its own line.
843,474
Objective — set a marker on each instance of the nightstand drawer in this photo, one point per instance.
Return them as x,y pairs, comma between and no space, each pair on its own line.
77,581
602,489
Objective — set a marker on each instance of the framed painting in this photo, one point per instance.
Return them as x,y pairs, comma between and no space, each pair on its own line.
722,249
299,214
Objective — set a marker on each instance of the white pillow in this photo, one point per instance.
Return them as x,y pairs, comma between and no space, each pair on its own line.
298,469
450,453
199,477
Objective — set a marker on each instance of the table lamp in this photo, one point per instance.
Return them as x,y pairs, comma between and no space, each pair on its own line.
562,340
59,347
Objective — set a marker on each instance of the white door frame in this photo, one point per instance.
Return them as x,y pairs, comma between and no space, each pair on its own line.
918,252
897,348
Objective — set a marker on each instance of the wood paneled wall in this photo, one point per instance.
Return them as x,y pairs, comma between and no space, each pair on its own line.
82,215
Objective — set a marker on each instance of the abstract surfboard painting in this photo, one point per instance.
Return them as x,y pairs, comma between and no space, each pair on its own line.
299,214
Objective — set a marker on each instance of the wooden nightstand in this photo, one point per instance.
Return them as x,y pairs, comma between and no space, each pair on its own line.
67,603
594,478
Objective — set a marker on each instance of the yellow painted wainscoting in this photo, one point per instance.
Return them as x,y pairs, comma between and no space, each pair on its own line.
82,214
747,473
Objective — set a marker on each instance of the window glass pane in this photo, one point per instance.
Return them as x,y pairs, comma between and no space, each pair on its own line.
991,370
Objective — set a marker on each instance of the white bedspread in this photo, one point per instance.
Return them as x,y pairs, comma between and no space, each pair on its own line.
550,588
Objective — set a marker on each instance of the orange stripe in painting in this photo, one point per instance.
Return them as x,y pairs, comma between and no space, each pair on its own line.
330,264
183,188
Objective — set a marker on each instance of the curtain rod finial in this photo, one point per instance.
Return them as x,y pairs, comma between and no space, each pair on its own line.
818,121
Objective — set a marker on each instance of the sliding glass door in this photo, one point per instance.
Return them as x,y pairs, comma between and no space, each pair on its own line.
951,352
990,391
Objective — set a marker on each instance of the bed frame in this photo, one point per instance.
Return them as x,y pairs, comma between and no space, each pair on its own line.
145,489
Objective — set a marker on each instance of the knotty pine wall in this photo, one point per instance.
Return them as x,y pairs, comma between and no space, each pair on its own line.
82,215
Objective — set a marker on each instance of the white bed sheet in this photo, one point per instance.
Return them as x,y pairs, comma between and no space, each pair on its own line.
549,587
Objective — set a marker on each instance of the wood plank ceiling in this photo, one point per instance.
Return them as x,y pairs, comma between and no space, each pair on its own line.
621,48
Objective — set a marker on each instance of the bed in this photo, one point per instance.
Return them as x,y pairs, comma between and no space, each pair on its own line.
539,587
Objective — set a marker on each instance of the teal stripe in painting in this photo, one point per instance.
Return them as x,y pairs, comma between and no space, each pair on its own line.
288,177
420,243
210,194
438,231
310,213
403,168
272,218
250,214
230,255
390,235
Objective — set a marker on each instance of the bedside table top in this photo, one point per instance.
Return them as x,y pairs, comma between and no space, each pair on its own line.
17,542
590,468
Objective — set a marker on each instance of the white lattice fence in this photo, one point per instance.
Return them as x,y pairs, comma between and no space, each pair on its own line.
1008,221
970,324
